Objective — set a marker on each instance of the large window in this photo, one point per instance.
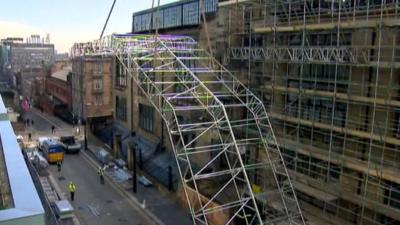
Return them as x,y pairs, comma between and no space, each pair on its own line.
397,125
146,117
120,108
121,78
98,100
173,16
392,194
190,13
97,84
98,68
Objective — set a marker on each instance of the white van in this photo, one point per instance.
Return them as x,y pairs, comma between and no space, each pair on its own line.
41,141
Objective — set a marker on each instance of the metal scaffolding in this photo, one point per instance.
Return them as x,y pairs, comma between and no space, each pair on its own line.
229,161
328,71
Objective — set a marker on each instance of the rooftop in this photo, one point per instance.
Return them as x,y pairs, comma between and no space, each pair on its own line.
26,206
63,73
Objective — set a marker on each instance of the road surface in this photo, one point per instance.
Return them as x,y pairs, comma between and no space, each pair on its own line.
94,204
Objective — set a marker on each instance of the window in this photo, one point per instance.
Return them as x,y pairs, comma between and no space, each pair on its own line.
397,126
191,13
172,16
210,6
98,68
120,106
158,17
146,82
392,194
98,100
97,84
121,78
146,117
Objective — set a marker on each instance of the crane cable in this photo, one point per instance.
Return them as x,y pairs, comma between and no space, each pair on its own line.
108,17
158,15
155,18
203,14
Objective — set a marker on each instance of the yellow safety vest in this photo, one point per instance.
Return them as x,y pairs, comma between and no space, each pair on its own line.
72,187
101,172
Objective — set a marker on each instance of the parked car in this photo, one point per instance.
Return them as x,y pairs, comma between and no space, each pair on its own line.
69,144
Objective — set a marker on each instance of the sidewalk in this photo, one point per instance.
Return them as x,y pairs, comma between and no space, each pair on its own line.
158,203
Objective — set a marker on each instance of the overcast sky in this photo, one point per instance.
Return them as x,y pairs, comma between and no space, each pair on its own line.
68,21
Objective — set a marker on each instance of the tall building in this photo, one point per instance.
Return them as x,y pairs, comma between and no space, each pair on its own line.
5,45
91,88
328,72
19,59
56,95
30,55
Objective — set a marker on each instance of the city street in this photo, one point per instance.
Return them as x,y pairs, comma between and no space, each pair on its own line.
42,124
94,203
212,112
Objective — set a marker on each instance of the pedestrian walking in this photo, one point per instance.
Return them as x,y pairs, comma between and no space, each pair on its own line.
59,166
30,137
100,172
53,129
27,122
72,190
32,122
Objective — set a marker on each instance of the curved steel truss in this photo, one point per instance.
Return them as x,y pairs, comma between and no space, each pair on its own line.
231,168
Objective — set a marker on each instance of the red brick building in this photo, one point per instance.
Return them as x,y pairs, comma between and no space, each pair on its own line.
57,98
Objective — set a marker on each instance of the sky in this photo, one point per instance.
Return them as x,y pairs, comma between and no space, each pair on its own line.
68,21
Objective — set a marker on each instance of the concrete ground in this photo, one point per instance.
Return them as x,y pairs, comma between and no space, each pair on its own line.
95,203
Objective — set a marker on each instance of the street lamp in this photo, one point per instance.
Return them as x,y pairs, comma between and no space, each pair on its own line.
83,122
84,134
134,168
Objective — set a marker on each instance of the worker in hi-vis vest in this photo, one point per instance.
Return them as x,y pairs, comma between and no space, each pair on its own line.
100,172
72,189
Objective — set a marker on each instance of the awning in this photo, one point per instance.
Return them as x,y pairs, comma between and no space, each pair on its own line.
155,163
158,167
146,147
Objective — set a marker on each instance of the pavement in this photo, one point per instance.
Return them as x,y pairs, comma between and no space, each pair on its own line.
111,203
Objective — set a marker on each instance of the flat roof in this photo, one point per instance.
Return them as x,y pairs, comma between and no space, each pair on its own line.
63,73
25,197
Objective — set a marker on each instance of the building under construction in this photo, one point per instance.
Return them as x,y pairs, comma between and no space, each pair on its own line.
328,72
